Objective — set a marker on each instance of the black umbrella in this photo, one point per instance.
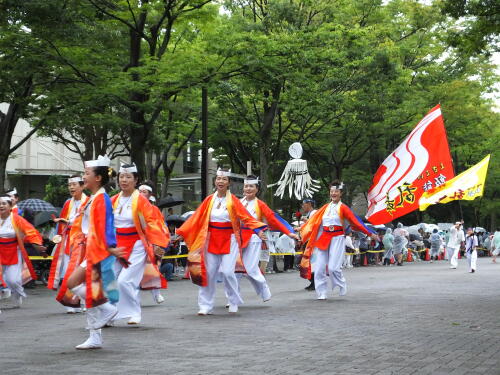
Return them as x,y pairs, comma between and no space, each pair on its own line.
42,218
169,202
175,219
36,205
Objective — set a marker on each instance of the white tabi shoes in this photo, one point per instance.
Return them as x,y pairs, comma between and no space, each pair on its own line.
204,312
5,293
107,313
134,320
159,299
232,309
93,342
266,294
343,291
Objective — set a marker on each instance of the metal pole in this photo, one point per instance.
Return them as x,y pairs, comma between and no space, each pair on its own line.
204,139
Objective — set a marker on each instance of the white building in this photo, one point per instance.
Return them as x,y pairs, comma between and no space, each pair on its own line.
30,166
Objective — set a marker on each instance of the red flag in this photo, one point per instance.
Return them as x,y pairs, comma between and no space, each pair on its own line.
420,163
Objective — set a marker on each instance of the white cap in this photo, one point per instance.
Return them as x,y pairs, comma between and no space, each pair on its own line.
222,173
146,187
75,179
12,192
101,161
152,199
131,169
254,181
340,187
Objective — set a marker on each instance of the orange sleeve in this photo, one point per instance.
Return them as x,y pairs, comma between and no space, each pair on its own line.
64,214
195,225
275,221
154,231
245,217
31,235
356,223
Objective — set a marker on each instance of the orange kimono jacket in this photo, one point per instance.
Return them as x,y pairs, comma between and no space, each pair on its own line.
265,214
25,233
93,247
151,232
310,230
195,231
63,229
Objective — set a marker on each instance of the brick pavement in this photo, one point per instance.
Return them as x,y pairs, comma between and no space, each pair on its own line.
418,319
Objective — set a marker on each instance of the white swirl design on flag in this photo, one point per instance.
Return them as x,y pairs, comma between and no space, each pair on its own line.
404,164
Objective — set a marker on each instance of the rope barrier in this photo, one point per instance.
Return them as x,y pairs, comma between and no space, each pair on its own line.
38,257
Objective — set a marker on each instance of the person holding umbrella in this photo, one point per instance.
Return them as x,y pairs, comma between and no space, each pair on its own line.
325,233
212,235
61,253
15,231
144,238
251,243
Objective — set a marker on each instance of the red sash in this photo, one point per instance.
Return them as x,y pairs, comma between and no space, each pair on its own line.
127,237
323,242
246,235
66,245
8,251
220,237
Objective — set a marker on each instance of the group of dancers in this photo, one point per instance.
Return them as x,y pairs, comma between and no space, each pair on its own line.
110,248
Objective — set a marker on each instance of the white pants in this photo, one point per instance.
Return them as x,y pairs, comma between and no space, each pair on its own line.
12,275
225,264
472,260
332,257
64,265
129,280
251,256
454,256
347,260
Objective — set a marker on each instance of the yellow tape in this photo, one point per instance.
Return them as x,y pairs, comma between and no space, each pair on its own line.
37,257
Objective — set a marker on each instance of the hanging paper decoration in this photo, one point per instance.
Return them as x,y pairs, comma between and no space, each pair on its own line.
296,176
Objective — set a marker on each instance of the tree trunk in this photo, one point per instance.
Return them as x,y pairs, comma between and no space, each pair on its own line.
270,112
167,171
4,156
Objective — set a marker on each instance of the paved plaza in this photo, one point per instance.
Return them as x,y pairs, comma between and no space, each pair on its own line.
421,318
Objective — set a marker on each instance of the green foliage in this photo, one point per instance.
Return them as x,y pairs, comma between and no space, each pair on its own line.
348,79
56,190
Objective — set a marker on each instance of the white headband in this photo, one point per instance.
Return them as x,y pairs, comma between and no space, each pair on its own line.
146,187
252,182
132,169
340,187
5,199
222,173
101,161
75,179
12,192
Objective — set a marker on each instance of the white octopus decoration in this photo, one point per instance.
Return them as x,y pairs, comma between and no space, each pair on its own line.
296,176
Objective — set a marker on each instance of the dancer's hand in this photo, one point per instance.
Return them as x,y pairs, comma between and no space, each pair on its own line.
118,252
262,235
294,236
58,219
159,251
41,249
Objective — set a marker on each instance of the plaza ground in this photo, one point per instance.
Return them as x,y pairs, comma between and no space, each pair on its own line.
421,318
